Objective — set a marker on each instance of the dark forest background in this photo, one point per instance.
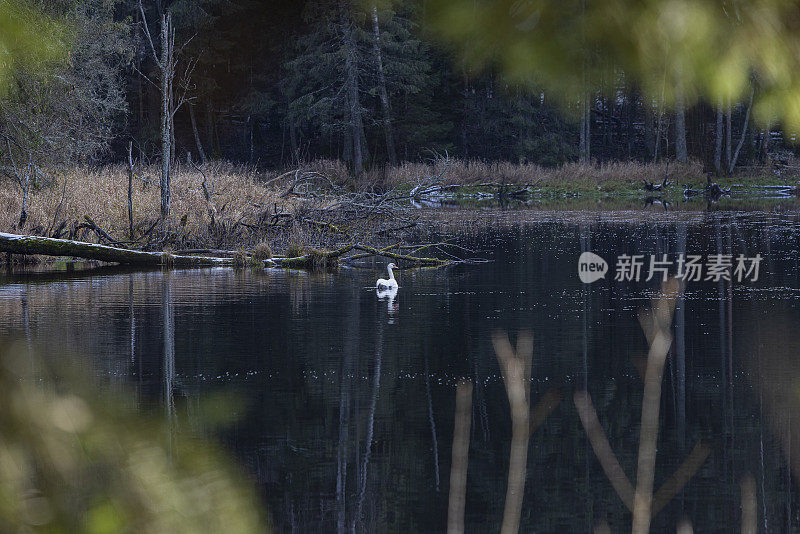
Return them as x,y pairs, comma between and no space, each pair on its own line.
275,83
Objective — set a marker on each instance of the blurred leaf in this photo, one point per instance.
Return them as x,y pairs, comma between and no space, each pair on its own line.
28,39
712,49
73,462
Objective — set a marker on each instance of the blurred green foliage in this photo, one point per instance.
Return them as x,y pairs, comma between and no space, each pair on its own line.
29,40
713,49
71,462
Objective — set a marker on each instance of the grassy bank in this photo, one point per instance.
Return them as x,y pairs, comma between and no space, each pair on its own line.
614,179
246,206
575,175
237,196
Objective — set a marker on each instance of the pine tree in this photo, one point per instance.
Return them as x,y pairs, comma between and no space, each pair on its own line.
323,78
400,67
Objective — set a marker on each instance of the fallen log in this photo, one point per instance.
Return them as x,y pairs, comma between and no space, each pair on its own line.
313,260
220,253
48,246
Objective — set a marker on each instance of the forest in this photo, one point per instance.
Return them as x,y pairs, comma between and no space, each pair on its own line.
314,123
277,83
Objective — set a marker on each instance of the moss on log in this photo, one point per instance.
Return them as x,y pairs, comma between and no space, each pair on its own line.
47,246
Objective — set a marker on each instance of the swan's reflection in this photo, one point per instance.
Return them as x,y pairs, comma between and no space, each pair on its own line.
389,294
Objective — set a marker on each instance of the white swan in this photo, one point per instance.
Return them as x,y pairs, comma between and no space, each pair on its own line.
382,283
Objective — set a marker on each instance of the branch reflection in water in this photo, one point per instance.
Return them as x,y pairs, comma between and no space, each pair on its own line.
516,365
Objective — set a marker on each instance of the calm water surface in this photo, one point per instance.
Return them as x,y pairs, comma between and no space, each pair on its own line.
346,410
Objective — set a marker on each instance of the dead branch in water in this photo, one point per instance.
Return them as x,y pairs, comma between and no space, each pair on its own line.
315,259
325,220
321,260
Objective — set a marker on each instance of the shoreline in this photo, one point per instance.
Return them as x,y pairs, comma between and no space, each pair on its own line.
320,207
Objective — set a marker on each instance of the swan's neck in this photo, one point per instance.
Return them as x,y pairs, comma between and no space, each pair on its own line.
391,274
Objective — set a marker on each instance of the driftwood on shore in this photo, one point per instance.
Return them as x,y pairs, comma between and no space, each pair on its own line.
315,260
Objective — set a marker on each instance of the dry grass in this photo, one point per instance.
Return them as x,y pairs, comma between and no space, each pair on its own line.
237,195
335,170
262,251
242,205
476,172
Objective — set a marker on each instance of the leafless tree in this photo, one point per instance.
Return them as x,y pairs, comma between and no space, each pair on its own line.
166,67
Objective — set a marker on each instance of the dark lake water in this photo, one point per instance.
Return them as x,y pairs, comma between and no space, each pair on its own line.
346,401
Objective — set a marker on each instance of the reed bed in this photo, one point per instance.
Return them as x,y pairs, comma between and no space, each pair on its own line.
245,201
477,172
237,195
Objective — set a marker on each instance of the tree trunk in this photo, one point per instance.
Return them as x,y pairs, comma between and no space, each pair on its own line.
130,190
210,129
744,130
660,341
460,459
248,135
728,135
166,110
432,421
649,128
582,141
465,118
718,140
630,132
387,122
173,158
586,133
197,136
139,88
585,152
680,127
588,119
295,158
659,127
362,473
607,110
516,376
168,322
351,65
25,183
680,348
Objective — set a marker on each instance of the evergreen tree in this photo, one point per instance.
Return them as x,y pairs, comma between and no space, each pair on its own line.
400,66
323,80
